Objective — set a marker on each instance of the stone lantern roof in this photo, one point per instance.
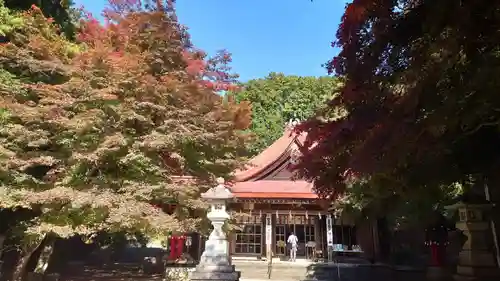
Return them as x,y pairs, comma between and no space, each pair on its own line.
219,192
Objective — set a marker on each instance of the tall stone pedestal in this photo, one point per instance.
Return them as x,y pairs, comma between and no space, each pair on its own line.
476,259
215,262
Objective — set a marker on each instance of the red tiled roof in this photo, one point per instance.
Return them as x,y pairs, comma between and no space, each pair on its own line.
269,156
273,189
251,183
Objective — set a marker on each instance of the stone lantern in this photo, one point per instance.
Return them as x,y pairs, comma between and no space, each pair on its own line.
215,262
476,260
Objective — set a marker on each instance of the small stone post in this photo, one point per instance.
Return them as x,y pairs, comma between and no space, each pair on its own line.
215,262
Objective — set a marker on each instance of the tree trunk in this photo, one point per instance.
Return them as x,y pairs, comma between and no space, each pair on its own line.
2,240
22,264
45,255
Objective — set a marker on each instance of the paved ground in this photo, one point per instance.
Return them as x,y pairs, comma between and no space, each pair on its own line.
282,271
363,271
354,272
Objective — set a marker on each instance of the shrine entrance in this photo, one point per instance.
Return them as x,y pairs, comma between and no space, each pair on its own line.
275,204
249,240
302,226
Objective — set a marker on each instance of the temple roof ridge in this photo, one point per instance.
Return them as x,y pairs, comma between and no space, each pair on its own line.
279,151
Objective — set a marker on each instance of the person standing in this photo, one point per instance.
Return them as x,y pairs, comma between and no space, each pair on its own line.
293,241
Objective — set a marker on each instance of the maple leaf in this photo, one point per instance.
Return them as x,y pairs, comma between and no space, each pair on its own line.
96,134
420,116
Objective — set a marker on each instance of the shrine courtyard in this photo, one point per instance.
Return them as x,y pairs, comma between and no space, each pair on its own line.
268,204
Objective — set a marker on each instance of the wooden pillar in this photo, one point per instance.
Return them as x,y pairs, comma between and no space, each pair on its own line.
264,237
317,236
232,243
329,236
322,234
274,221
268,235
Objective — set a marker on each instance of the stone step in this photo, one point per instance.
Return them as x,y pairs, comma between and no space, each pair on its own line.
280,271
326,272
287,271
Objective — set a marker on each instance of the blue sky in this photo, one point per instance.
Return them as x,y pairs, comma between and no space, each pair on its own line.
289,36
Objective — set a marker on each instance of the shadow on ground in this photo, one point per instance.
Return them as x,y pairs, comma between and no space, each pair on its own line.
361,272
108,273
112,272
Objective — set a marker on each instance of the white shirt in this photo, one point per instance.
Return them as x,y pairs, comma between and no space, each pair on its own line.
292,239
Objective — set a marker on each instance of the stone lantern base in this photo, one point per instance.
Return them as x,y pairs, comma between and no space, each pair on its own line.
215,272
215,263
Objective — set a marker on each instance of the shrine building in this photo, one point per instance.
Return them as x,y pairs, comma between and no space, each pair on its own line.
265,192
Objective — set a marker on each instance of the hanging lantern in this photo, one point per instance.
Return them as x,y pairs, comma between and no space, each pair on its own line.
260,214
307,216
319,215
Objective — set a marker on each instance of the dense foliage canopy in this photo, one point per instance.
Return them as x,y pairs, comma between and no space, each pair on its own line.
277,99
63,12
421,78
94,134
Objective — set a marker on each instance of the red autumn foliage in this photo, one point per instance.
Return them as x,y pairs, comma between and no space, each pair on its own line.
110,124
415,92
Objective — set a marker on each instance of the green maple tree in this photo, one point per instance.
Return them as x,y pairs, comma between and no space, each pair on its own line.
104,134
63,12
